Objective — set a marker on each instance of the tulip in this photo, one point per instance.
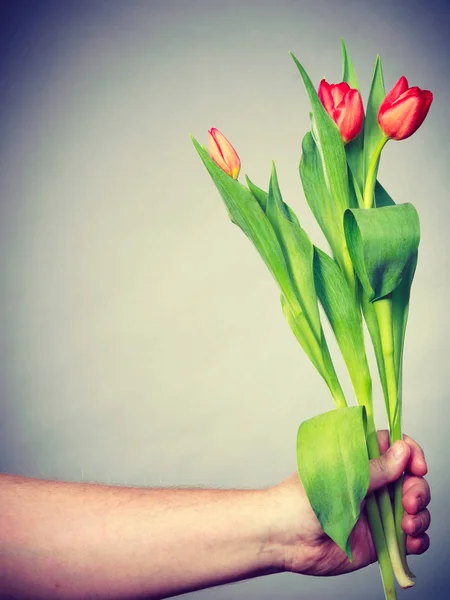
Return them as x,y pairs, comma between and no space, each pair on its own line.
223,153
403,110
345,107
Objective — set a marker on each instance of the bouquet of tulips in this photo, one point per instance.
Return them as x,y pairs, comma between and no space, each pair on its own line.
365,277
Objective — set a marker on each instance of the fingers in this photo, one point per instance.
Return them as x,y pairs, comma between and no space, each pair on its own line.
416,495
417,545
417,464
416,525
389,466
416,491
383,440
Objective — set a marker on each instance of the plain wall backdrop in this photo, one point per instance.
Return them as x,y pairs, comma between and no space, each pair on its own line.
142,340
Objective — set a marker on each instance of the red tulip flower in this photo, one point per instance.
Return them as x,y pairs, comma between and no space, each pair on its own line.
403,110
345,107
223,153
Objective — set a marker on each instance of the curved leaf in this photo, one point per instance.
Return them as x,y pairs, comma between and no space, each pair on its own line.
400,309
333,466
381,242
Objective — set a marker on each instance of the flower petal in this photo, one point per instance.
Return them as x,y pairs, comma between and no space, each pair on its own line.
399,88
350,115
339,91
326,97
403,118
223,153
215,151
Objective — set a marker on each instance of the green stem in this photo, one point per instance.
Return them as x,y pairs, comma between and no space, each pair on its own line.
377,526
384,561
387,516
372,171
383,311
396,434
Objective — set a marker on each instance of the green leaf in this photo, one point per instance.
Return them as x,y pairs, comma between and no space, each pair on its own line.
318,196
333,466
348,70
381,242
322,361
345,319
356,197
244,210
299,297
330,146
372,131
298,253
400,309
300,328
382,198
354,149
261,196
371,320
258,193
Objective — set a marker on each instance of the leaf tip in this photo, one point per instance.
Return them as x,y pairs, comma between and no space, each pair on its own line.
348,551
273,177
194,141
295,59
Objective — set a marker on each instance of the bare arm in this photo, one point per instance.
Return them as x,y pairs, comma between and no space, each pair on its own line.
75,540
69,540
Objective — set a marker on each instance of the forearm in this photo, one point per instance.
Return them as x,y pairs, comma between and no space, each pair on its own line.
68,540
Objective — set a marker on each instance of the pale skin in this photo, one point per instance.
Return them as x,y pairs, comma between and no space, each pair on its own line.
76,540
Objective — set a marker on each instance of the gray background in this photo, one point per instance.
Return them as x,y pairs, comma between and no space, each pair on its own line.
141,336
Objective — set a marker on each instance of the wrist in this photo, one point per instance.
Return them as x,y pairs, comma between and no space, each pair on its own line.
293,537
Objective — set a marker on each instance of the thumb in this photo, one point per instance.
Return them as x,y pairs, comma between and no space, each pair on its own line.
389,466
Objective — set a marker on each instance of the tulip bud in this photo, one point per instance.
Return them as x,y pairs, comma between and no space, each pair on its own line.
345,107
223,153
403,110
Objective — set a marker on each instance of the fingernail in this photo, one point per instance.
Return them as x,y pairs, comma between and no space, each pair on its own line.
397,449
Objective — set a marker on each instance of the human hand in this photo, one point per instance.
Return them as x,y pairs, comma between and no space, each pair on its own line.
305,548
